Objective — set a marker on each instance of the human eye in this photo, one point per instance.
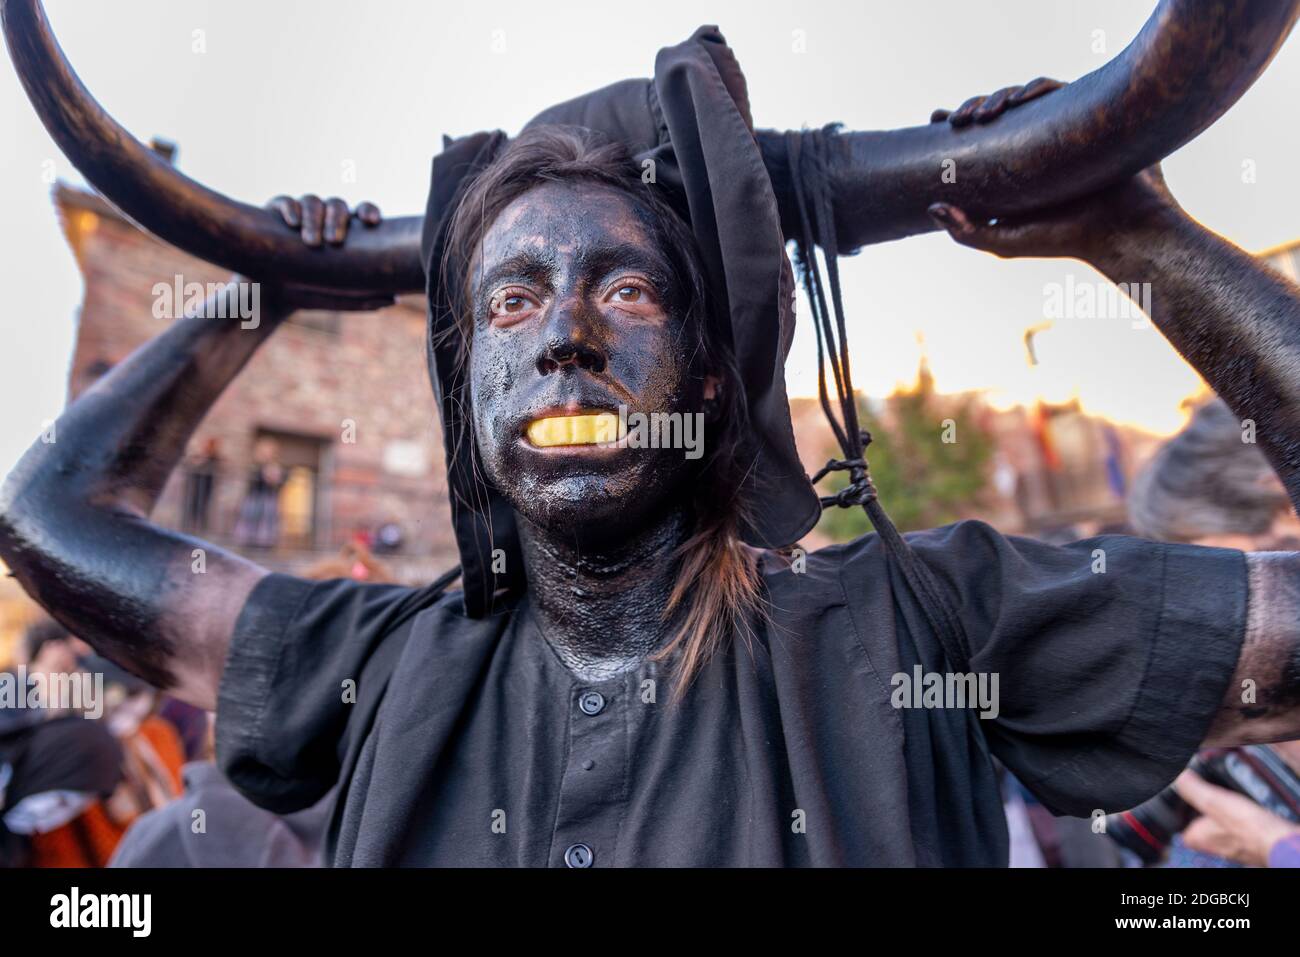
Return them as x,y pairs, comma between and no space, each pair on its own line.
632,291
511,303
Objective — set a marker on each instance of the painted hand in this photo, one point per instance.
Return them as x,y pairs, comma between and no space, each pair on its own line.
322,223
1086,228
1083,229
982,109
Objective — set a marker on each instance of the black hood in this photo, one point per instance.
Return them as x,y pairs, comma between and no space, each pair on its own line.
693,121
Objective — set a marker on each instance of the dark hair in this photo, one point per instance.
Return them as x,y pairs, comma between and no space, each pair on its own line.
717,590
1206,480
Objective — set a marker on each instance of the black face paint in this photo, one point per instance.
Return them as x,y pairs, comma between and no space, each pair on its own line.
602,611
576,308
556,330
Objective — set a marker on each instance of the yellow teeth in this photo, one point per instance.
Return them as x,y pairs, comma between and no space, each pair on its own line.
585,429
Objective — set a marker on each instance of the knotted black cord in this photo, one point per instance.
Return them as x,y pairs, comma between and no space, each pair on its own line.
807,168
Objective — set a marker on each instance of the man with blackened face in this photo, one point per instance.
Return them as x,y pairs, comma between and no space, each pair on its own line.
578,311
640,666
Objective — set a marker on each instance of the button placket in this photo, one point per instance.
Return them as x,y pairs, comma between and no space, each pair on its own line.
592,785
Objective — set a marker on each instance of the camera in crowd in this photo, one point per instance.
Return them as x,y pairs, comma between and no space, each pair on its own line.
1256,771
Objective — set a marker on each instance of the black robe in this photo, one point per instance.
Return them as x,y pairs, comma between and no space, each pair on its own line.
467,742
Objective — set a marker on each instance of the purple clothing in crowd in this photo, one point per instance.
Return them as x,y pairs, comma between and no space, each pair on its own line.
1286,852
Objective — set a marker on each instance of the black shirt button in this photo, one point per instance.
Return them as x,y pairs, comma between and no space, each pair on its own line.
588,764
591,702
579,855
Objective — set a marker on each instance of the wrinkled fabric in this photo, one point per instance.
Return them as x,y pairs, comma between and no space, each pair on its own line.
460,741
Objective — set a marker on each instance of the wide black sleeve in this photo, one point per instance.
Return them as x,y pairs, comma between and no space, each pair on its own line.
1112,654
306,663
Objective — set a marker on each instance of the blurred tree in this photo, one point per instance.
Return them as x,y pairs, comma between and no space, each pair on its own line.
928,457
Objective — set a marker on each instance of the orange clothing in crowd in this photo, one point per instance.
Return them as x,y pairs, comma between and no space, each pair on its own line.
88,840
154,759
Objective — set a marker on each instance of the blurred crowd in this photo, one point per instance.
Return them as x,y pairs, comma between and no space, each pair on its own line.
128,779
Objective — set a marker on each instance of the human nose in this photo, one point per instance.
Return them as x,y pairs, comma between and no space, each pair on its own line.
569,339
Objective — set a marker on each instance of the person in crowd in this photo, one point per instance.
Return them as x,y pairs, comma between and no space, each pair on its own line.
1233,828
258,524
201,474
213,825
1212,485
80,776
57,776
58,770
354,560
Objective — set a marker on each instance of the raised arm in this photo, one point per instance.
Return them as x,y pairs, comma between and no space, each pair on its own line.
74,513
1237,321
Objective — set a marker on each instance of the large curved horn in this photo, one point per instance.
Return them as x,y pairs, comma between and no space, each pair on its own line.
1189,64
1191,61
174,207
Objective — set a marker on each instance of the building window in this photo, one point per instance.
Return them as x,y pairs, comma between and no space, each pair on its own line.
298,507
281,507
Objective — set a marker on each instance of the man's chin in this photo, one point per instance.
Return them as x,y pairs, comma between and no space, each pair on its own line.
582,501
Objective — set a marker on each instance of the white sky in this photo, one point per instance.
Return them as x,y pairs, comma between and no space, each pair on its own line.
288,91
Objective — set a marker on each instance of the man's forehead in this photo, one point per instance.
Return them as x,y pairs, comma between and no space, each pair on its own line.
564,219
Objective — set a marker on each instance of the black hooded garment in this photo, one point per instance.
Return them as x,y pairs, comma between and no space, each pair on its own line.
459,738
691,128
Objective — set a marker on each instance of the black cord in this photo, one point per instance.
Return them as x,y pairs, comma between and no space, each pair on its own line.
807,159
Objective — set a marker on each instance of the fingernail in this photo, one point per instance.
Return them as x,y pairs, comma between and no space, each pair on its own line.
941,212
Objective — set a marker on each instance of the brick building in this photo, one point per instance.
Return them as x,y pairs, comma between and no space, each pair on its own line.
338,402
